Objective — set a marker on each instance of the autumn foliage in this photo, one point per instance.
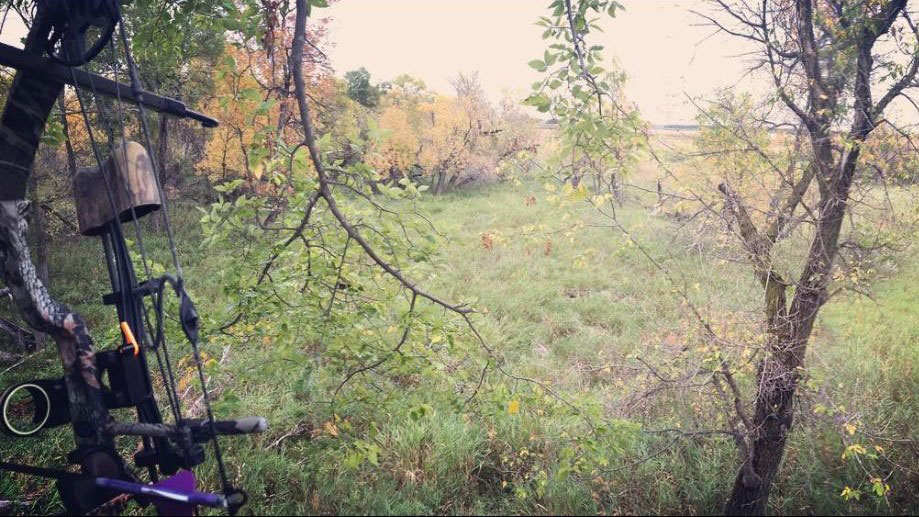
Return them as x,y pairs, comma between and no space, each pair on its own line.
444,141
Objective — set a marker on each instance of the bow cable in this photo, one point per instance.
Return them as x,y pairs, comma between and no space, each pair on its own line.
168,379
119,234
134,307
177,283
159,342
179,287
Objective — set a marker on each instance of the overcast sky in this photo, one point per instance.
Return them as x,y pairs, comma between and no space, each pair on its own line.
666,50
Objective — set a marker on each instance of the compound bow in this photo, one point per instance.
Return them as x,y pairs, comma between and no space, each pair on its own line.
65,35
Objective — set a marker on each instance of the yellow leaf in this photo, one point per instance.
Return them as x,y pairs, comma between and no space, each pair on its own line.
850,429
331,429
258,170
513,407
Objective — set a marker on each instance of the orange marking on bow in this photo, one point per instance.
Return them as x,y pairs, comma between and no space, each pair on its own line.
129,337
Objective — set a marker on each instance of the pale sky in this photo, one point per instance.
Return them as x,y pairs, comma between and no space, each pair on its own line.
664,48
666,51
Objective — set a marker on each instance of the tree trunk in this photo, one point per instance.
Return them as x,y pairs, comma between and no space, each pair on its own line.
374,187
71,155
162,154
616,186
162,150
790,330
39,236
452,183
441,183
773,420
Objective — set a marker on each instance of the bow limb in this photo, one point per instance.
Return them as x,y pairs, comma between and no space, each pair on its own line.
22,124
65,326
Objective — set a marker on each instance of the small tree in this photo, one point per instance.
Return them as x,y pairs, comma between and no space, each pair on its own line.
360,89
598,130
826,58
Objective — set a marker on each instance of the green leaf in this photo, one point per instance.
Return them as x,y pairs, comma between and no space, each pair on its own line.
250,94
540,100
538,64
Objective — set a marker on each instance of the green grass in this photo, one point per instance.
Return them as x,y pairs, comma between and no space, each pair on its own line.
572,309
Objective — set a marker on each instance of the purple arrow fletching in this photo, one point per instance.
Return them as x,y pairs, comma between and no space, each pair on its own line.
164,493
183,481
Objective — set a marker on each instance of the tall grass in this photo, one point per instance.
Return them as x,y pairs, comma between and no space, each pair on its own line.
571,308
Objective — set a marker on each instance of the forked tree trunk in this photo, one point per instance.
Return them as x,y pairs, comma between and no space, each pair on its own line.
789,328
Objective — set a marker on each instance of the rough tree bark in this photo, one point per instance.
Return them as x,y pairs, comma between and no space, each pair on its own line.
39,237
65,126
825,86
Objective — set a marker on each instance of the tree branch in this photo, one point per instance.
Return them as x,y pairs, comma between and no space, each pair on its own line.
325,190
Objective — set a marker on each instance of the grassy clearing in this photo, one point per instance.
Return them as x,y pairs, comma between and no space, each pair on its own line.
574,309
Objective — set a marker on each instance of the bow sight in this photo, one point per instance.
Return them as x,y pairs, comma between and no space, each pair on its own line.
120,189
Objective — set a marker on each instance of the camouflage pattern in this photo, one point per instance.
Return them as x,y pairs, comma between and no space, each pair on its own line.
129,180
28,104
88,411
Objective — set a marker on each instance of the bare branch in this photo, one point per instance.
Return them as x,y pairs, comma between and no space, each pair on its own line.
325,190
